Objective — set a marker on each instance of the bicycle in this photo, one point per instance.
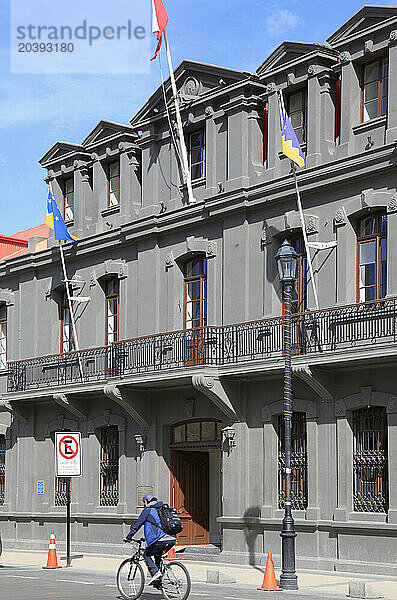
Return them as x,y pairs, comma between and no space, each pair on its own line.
175,583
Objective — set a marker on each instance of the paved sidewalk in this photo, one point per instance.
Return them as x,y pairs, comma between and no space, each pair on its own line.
317,583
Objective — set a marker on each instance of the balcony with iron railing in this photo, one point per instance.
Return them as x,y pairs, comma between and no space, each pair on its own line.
325,331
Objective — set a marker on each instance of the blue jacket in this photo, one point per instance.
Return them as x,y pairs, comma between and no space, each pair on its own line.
150,520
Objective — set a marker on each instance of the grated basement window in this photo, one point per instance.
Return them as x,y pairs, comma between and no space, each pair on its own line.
298,461
61,490
109,495
370,465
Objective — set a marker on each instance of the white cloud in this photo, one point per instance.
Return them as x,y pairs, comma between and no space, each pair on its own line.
281,21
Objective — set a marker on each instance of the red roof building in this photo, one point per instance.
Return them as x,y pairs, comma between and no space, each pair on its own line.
17,244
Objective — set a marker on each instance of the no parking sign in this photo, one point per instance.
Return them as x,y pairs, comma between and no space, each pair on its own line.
68,454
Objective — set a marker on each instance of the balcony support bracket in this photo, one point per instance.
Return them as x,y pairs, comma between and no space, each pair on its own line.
63,401
6,405
114,393
213,388
305,373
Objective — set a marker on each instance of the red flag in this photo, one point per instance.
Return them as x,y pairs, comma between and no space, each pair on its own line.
160,20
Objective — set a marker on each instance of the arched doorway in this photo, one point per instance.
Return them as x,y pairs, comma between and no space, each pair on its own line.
195,479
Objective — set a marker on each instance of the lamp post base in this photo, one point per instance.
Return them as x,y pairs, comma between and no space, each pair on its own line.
288,577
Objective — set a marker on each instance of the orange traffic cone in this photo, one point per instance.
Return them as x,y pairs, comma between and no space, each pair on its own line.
269,581
171,555
52,561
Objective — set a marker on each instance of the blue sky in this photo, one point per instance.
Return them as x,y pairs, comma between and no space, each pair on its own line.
38,110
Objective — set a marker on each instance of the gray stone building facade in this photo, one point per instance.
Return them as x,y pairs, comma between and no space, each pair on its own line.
178,383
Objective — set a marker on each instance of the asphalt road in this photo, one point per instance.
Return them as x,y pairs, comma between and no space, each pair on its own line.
72,584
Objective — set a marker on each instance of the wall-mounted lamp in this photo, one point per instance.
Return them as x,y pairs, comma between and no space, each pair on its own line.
228,436
140,441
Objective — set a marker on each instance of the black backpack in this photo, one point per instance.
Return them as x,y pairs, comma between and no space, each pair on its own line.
169,519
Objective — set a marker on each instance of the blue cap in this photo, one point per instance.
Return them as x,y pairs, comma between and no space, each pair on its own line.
148,497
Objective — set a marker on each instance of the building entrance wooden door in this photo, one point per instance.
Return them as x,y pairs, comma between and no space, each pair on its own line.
190,495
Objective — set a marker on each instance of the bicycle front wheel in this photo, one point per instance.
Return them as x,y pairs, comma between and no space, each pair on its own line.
176,582
130,579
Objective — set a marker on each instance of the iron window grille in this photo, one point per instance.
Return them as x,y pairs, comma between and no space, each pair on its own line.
109,494
299,495
63,485
370,464
2,468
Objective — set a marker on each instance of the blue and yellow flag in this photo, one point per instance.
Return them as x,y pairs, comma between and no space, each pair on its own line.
289,142
55,221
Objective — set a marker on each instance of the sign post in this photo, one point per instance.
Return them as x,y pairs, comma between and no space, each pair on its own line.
68,464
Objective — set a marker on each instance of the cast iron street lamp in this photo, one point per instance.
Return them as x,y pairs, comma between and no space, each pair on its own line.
287,260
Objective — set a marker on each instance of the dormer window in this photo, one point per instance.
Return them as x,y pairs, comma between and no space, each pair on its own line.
68,200
297,111
197,154
114,184
374,88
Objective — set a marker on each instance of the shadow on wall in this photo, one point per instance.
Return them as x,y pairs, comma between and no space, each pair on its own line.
251,532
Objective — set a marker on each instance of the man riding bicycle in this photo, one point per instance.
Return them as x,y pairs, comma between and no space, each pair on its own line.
157,540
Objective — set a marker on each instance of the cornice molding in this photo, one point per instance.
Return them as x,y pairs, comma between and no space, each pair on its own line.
277,190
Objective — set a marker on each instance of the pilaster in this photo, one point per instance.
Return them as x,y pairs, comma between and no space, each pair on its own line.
350,105
150,151
391,131
274,135
84,215
392,245
344,453
210,151
237,144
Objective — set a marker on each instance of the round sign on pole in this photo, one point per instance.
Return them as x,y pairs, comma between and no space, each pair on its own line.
68,454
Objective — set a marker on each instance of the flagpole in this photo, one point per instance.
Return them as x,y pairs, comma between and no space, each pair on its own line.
185,163
302,218
66,280
75,340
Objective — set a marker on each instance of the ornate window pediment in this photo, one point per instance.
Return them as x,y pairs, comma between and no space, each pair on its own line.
362,23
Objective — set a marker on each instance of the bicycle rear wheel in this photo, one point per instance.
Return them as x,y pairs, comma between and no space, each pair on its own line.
176,582
130,579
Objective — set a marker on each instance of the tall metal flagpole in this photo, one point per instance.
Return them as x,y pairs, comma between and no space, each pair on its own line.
302,218
185,162
75,340
309,260
66,280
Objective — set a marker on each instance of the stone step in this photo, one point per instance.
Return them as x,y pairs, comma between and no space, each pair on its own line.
208,553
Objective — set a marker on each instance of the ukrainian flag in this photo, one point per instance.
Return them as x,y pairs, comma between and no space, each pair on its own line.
289,143
55,221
